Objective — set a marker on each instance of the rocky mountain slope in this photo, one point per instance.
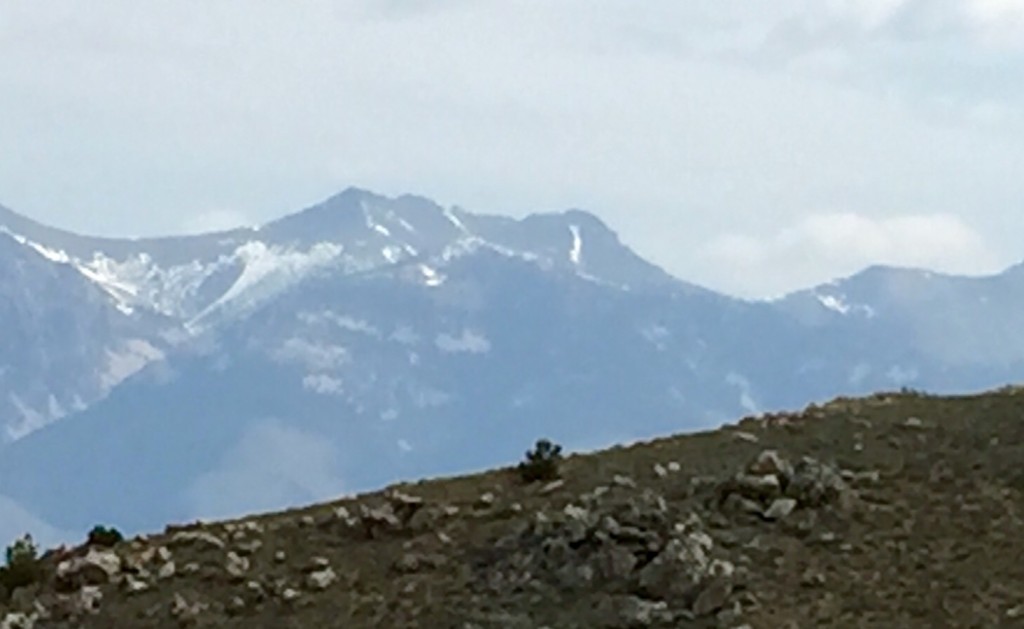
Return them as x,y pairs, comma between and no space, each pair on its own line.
368,339
896,510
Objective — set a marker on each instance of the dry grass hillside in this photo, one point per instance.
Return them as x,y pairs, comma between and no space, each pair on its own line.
898,510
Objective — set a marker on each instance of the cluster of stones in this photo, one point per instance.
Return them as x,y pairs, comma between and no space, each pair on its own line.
651,566
773,488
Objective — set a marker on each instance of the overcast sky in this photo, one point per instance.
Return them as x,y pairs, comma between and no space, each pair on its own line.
753,147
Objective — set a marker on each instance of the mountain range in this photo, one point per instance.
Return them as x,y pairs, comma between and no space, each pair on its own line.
367,339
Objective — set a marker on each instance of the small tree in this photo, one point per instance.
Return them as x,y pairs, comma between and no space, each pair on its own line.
105,537
541,463
22,567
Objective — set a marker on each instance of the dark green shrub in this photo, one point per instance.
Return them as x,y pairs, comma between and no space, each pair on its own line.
22,567
105,537
541,463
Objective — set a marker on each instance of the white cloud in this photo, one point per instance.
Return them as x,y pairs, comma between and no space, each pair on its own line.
822,247
675,123
272,466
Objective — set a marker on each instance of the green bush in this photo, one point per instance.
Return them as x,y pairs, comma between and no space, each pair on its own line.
105,537
541,463
22,567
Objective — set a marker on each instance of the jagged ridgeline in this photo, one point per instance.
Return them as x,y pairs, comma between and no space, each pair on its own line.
897,510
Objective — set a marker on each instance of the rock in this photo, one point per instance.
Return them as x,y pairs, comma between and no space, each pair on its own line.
97,567
166,571
736,503
290,595
379,519
411,563
713,597
769,462
319,563
674,467
135,585
760,488
342,514
552,487
746,437
780,509
249,547
721,569
815,484
319,580
200,539
185,611
913,422
620,480
280,556
485,501
236,566
677,570
18,620
615,563
87,600
660,471
633,611
405,505
428,518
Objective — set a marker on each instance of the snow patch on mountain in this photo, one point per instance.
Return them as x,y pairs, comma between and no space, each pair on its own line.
267,270
30,419
575,254
314,356
839,304
323,384
343,322
431,277
127,361
469,342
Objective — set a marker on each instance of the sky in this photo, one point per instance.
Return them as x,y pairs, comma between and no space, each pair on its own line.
751,147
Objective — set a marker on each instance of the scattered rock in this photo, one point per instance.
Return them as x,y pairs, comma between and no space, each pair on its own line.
18,620
201,539
236,566
319,580
623,481
166,571
780,509
97,567
552,487
633,611
184,611
746,437
913,422
713,597
769,462
135,585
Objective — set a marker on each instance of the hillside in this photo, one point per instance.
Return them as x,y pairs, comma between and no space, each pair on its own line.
896,510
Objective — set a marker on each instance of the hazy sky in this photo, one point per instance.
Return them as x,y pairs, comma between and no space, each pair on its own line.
750,146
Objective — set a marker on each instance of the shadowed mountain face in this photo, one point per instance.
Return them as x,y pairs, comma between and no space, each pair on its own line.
367,339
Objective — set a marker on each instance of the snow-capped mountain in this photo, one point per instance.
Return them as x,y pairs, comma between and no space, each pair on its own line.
63,343
368,338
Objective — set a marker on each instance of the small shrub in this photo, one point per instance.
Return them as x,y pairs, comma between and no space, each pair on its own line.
104,537
541,463
22,567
